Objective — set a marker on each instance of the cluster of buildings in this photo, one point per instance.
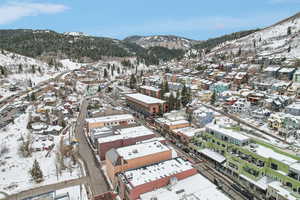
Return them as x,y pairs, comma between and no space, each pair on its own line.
264,169
141,165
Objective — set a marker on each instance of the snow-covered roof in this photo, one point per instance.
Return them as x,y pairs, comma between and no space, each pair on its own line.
141,150
286,70
270,153
145,99
127,133
213,155
150,88
191,188
227,132
110,118
272,69
156,171
187,131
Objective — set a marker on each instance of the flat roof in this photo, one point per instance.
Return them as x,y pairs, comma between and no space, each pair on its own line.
150,88
281,190
188,131
127,133
213,155
141,150
144,98
191,188
269,153
110,118
155,172
228,132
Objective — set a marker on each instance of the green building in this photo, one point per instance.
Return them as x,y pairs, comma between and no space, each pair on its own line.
252,163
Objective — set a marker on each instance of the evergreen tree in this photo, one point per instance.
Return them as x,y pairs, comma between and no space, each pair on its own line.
105,75
132,81
40,70
184,95
178,100
36,172
213,98
289,49
240,51
33,97
99,88
20,68
33,69
118,70
166,87
289,30
172,102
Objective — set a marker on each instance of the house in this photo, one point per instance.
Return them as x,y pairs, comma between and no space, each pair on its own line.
286,73
293,109
271,71
219,87
275,121
240,106
296,77
240,78
202,116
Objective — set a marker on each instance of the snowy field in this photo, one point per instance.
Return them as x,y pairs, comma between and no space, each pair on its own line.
14,169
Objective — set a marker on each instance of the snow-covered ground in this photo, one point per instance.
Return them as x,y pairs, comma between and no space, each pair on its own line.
272,41
14,169
75,193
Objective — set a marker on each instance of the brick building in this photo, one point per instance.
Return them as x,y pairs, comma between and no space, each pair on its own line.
150,91
146,105
133,183
134,156
123,137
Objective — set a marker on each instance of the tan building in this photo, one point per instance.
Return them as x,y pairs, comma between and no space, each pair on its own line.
112,120
134,156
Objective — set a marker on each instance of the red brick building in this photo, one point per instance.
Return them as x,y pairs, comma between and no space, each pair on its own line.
125,137
150,91
133,183
146,105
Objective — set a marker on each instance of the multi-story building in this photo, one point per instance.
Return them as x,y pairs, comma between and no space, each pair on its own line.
123,137
133,183
146,105
150,91
251,162
111,120
134,156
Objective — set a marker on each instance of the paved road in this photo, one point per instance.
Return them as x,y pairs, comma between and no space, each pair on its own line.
97,180
47,188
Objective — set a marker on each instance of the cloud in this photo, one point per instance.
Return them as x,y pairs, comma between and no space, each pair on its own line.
11,12
283,1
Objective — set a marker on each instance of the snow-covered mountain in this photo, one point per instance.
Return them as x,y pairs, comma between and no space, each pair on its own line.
75,34
279,40
168,41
